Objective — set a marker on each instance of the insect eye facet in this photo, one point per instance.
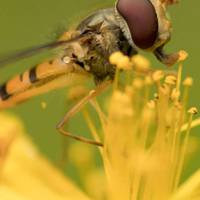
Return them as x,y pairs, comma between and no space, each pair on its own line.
141,18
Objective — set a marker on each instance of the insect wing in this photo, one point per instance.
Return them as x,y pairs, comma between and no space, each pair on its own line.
11,58
43,77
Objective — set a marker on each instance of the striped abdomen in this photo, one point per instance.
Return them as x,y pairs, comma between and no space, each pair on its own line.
39,79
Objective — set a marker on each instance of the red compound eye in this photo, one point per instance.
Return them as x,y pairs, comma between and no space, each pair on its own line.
141,18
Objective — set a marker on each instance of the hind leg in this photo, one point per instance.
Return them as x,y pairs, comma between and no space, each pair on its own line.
76,108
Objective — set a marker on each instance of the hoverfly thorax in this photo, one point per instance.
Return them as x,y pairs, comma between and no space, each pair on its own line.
143,22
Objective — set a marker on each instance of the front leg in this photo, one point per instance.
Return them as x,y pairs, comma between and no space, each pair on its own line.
167,59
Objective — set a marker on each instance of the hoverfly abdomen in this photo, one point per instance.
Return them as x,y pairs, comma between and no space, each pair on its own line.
33,75
38,80
3,93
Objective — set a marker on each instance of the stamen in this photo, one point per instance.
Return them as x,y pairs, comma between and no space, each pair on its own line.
140,63
170,80
188,81
157,75
191,112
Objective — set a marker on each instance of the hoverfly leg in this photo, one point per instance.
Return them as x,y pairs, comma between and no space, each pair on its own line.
167,59
76,108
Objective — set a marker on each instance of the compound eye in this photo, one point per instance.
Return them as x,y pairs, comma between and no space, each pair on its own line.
141,18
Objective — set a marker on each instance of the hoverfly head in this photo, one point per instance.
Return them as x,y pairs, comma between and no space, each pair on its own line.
142,21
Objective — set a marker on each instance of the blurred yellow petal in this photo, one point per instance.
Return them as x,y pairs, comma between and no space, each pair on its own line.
27,174
144,151
189,190
7,193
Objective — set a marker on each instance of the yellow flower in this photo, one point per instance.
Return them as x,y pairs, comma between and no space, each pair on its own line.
25,174
145,141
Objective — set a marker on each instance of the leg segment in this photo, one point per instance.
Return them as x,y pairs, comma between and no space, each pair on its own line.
167,59
76,108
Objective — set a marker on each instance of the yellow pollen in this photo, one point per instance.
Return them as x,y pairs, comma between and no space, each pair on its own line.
188,81
115,57
182,55
170,80
157,75
193,110
121,61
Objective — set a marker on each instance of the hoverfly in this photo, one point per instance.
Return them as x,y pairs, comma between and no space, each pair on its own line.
128,27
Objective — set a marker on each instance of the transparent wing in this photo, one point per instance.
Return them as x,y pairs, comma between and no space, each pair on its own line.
13,57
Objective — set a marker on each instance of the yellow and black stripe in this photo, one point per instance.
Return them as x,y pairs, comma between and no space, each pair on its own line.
33,75
39,79
3,93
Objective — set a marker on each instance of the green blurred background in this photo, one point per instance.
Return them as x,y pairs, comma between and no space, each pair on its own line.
28,23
